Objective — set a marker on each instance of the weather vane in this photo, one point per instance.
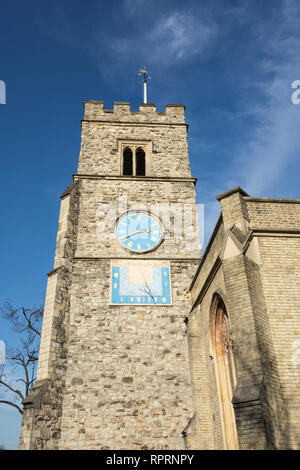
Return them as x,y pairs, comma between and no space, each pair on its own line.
145,73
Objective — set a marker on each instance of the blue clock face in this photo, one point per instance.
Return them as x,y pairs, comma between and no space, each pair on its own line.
139,231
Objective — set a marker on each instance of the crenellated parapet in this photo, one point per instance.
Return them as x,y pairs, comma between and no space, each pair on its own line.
121,112
161,135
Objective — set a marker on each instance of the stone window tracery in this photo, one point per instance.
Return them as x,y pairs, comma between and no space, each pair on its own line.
134,160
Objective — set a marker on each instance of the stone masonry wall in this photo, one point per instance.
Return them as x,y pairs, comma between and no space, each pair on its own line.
280,214
127,380
208,422
41,424
102,202
100,152
279,331
115,376
280,273
259,257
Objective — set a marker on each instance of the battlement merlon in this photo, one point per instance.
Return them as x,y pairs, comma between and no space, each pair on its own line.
94,111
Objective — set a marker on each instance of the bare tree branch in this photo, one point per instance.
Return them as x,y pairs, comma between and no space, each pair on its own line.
22,319
11,389
28,320
20,361
12,404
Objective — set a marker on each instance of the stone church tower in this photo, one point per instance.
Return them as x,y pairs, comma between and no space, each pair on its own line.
113,367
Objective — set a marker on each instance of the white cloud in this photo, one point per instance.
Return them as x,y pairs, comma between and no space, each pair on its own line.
160,38
275,142
268,152
173,39
179,36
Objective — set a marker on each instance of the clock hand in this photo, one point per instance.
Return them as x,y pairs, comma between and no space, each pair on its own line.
134,233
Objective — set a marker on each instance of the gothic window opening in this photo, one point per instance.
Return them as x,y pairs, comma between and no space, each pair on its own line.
127,162
225,369
133,160
140,162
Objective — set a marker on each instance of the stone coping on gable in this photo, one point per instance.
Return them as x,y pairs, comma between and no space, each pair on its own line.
237,189
272,200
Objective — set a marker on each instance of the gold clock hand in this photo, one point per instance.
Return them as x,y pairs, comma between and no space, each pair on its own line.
134,233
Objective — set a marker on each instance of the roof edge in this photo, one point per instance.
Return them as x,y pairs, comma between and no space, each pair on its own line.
237,189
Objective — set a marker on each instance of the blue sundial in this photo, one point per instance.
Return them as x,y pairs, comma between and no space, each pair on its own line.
139,231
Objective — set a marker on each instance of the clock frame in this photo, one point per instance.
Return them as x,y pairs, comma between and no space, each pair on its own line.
139,231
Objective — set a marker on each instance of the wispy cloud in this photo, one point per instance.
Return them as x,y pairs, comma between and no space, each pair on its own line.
179,36
266,150
250,46
275,141
173,39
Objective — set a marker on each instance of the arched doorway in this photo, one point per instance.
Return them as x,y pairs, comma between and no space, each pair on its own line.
225,369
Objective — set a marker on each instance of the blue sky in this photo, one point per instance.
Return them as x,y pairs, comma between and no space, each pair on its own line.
231,63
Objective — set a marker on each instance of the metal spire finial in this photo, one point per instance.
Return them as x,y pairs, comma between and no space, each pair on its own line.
145,72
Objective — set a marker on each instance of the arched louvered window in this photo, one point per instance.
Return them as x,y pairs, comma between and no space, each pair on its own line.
140,162
127,162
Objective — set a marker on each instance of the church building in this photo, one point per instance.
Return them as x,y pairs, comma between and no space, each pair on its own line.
147,344
244,328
